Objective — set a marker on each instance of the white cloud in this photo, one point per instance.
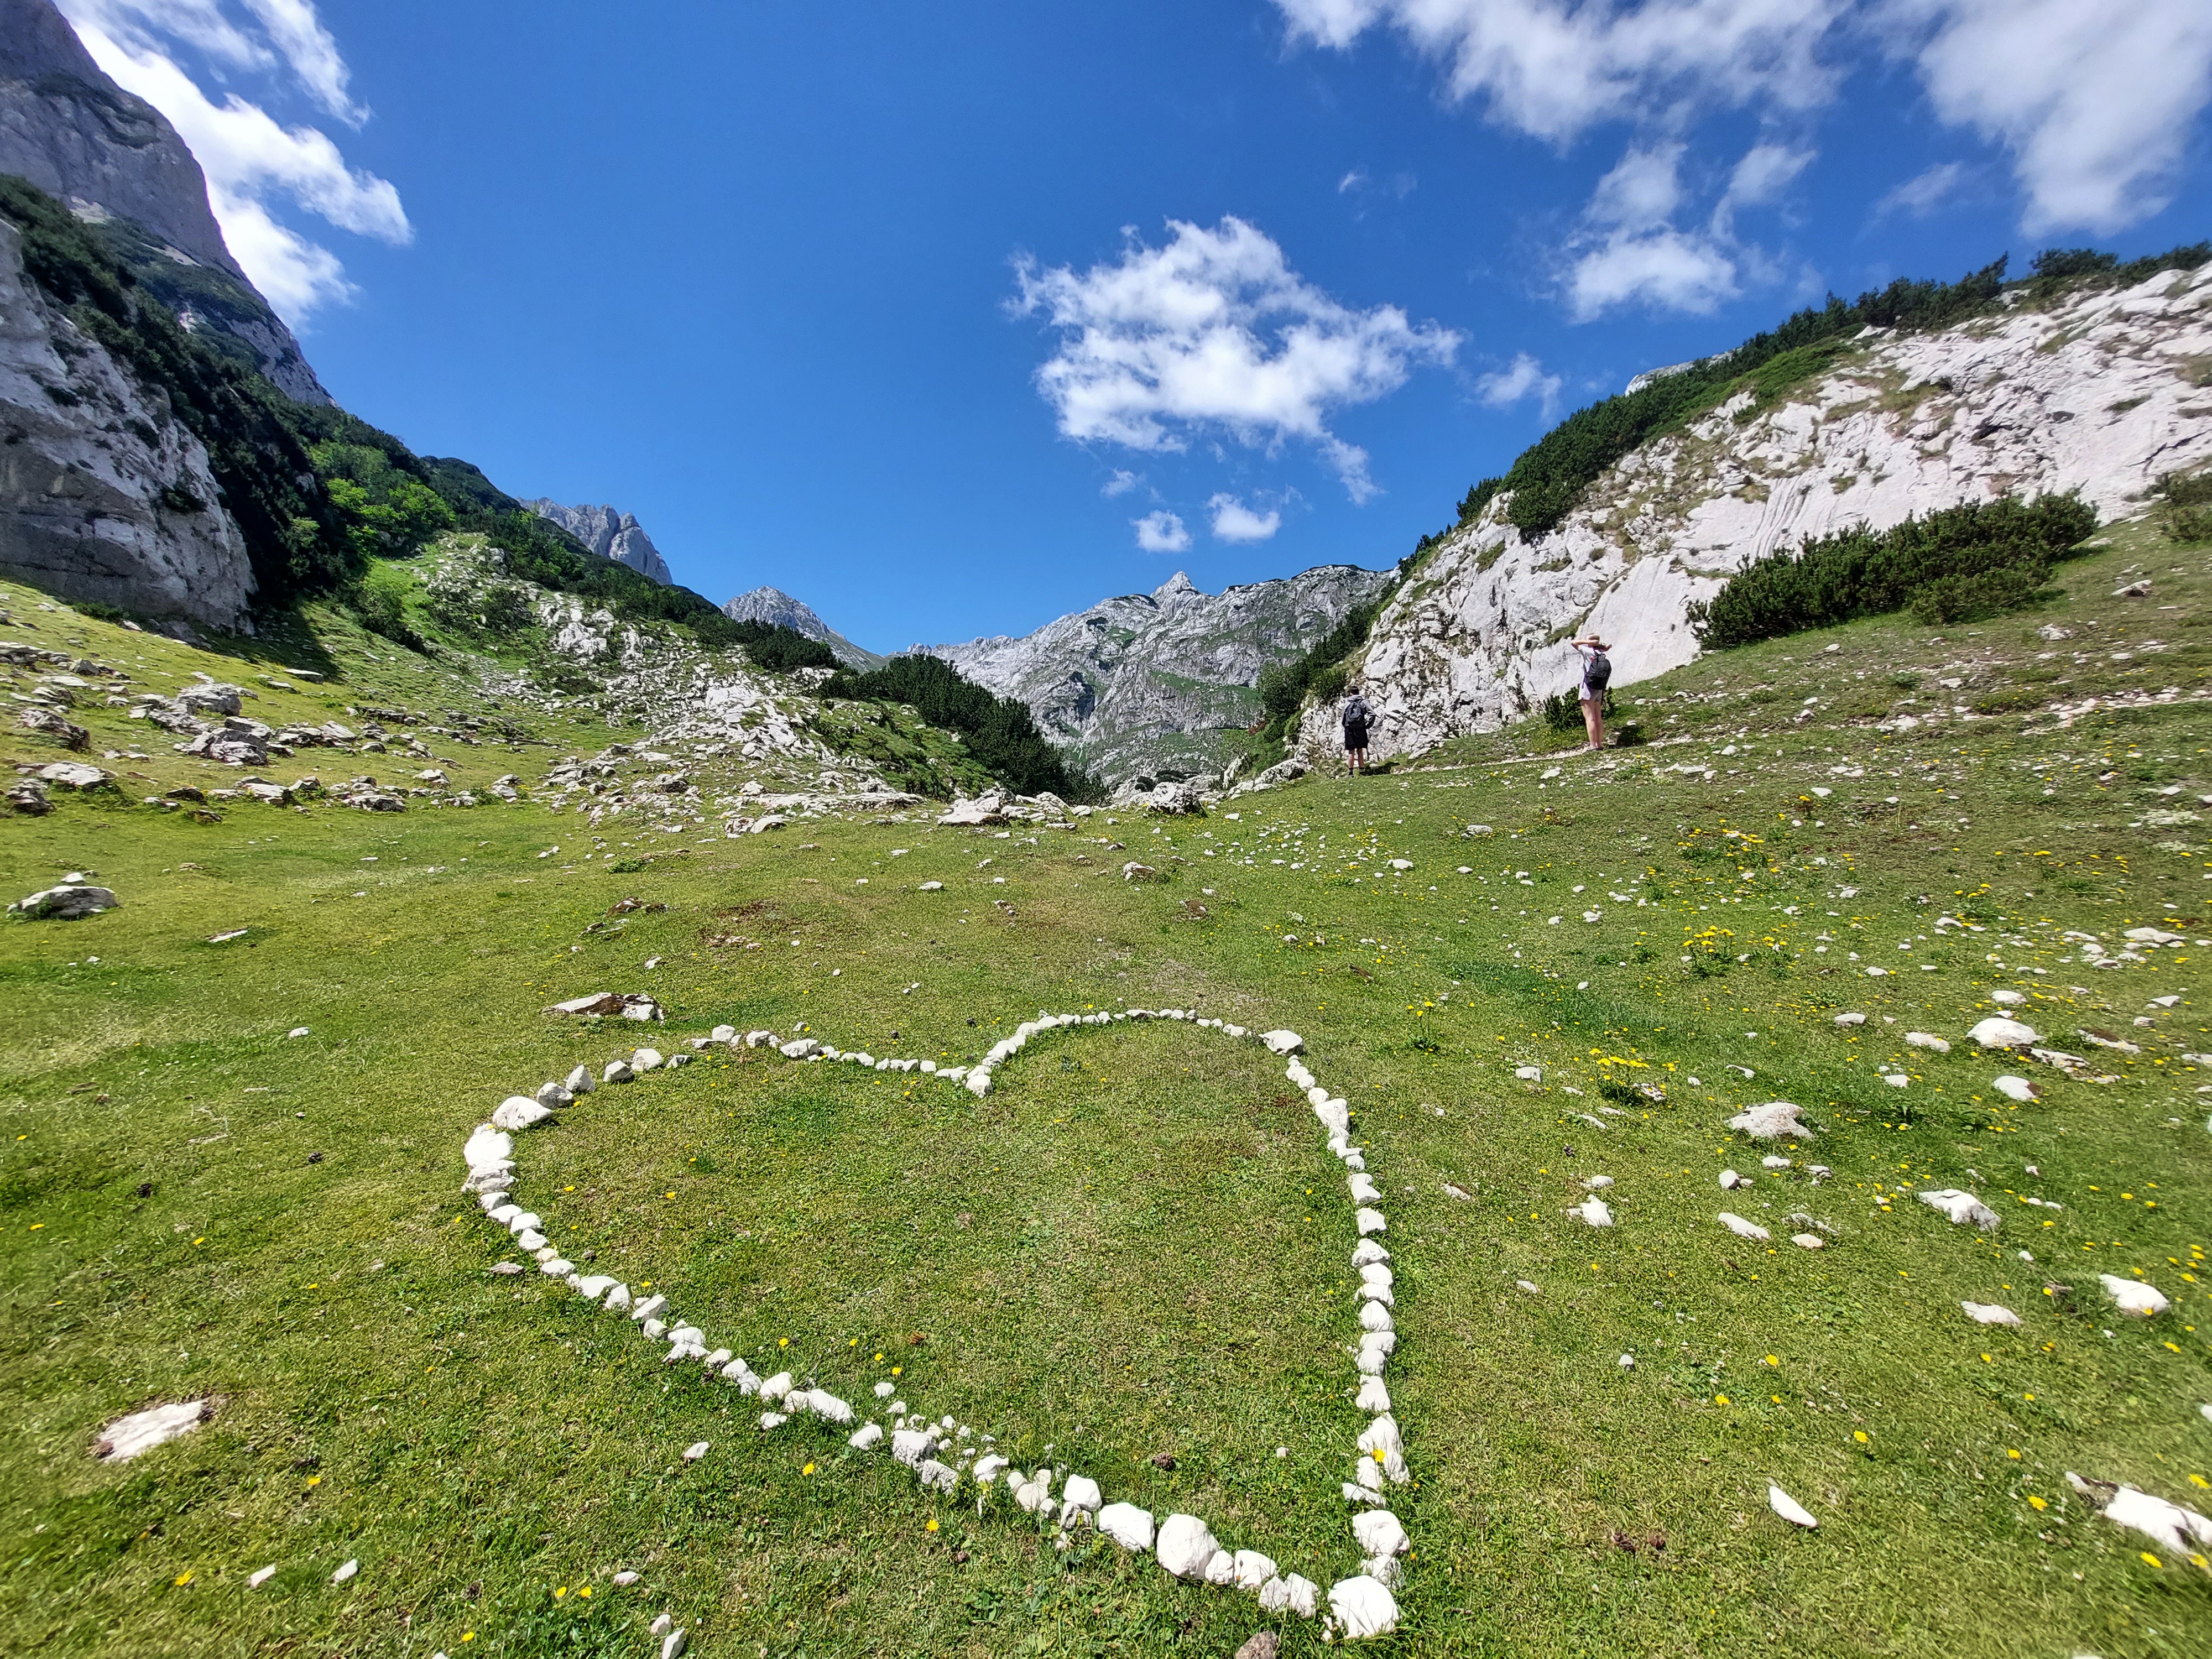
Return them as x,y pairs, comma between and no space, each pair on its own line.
1160,532
2096,104
1662,268
1923,193
1523,377
254,164
1354,179
1233,521
1553,68
1214,334
1121,483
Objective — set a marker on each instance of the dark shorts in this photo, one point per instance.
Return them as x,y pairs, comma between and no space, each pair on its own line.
1355,737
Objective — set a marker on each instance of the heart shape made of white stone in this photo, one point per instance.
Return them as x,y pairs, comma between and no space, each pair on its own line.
1183,1545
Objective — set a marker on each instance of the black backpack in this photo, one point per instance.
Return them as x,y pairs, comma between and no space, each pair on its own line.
1599,674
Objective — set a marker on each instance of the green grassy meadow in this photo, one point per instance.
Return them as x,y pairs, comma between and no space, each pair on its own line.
1136,1247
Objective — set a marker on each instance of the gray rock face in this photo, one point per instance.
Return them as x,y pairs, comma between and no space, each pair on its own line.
1163,680
114,158
103,494
611,535
2099,392
779,609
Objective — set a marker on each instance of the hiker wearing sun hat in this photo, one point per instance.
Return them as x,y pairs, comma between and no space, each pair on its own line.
1597,674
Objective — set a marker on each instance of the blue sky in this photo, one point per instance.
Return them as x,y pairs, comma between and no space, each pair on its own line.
950,320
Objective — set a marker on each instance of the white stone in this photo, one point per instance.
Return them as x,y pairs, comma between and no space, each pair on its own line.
1851,1019
1363,1607
776,1388
617,1299
694,1451
1743,1229
1283,1043
910,1446
1789,1509
1081,1494
865,1437
1291,1593
126,1436
1529,1073
1772,1121
2014,1088
1371,1221
259,1577
1730,1181
1597,1183
936,1476
1960,1207
1374,1317
1999,1032
1185,1545
578,1082
618,1070
2007,999
529,1239
988,1467
2184,1531
1594,1211
2132,1295
1368,1252
673,1643
1988,1313
1808,1241
1221,1571
1373,1396
773,1419
1126,1525
647,1309
826,1406
1252,1570
1364,1189
345,1571
488,1148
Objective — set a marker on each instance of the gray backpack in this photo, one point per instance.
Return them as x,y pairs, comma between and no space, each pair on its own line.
1599,674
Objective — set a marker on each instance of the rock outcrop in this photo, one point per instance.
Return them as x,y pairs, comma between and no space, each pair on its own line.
119,166
104,493
611,535
1165,681
779,609
2104,392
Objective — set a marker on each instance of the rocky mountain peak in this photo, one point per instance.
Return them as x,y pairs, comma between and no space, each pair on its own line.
610,534
779,609
1176,591
117,164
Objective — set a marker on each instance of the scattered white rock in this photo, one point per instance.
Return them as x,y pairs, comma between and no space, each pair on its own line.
1125,1523
694,1451
865,1437
1743,1229
520,1112
1999,1032
1928,1041
1379,1533
1730,1181
1961,1208
1851,1019
1594,1211
1254,1570
1291,1594
345,1571
1283,1043
2132,1295
1772,1120
125,1438
2014,1088
259,1577
1988,1313
1808,1241
1789,1509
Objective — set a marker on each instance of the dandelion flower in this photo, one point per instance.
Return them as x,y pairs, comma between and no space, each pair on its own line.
1859,1434
184,1578
2037,1504
932,1525
809,1469
2013,1454
2147,1559
1720,1400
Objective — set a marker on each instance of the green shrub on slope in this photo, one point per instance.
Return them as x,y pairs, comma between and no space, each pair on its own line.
999,731
1953,565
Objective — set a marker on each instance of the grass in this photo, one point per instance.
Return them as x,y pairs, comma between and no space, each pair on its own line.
1116,1252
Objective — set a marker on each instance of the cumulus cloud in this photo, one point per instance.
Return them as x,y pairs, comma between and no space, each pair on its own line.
2095,104
1233,521
255,164
1215,335
1629,250
1121,483
1161,531
1522,378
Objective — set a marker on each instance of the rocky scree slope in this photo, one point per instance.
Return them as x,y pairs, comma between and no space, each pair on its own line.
2102,391
1164,682
117,164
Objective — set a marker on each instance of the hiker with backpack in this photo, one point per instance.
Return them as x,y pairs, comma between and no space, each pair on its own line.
1597,674
1357,715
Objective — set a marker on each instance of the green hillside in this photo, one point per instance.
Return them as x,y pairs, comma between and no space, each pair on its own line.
233,1172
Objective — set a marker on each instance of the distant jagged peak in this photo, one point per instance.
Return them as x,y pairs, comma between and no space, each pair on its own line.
1176,591
609,533
777,608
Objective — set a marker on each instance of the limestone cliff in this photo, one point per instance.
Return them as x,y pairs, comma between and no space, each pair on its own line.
1164,681
116,162
104,493
611,535
2102,391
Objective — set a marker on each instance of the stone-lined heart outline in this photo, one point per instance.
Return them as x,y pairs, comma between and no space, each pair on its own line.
1358,1606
